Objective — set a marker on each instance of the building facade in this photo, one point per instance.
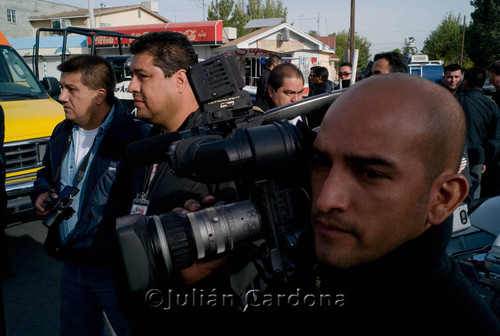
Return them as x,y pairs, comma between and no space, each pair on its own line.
15,15
209,38
102,17
22,18
290,43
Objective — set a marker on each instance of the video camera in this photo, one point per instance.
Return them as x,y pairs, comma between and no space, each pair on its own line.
265,156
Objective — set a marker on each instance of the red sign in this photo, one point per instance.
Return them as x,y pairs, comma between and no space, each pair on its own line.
206,32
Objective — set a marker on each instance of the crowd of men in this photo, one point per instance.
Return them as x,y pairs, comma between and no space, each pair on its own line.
384,184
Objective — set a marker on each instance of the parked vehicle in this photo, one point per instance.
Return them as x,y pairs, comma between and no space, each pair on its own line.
121,65
477,250
421,66
30,116
98,38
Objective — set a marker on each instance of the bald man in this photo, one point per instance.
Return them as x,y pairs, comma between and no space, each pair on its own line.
385,183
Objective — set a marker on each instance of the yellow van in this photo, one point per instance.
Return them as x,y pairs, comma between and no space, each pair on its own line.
30,116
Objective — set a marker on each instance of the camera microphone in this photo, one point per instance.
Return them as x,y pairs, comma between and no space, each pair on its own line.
151,150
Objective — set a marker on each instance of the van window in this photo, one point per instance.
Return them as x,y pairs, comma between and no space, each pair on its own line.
433,73
16,78
416,71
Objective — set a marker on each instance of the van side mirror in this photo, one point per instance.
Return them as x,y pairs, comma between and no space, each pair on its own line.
51,85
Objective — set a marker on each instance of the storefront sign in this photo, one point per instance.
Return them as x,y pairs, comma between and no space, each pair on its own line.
206,32
250,52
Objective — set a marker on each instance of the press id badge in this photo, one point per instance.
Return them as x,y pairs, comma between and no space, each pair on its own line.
140,205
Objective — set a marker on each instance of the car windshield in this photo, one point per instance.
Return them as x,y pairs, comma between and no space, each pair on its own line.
16,79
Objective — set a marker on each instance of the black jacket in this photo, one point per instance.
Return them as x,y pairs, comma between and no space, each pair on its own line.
168,191
416,287
483,138
325,87
4,260
265,103
496,97
483,122
3,165
262,83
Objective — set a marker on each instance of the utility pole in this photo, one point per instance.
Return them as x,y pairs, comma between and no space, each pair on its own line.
91,14
352,33
463,41
318,25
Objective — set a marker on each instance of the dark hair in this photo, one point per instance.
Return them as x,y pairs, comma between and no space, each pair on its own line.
282,71
397,61
345,64
172,51
494,67
452,67
97,73
475,77
321,72
273,60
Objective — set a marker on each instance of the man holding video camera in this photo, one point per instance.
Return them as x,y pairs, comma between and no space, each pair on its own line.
163,97
385,184
83,187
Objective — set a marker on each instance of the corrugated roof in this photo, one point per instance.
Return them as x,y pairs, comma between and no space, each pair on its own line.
328,40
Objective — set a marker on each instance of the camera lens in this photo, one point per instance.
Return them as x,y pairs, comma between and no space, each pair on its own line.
222,228
251,153
178,240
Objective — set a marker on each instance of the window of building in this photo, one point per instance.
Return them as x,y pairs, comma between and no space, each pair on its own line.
60,23
139,13
11,15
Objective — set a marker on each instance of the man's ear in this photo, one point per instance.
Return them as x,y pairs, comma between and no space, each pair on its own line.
449,190
270,90
100,96
182,80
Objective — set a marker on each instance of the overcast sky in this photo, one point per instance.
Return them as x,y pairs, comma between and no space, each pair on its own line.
385,23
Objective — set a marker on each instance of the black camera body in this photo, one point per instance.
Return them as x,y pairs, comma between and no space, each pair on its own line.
59,207
265,163
265,156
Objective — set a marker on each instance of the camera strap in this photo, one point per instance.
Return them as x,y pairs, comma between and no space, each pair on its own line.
80,174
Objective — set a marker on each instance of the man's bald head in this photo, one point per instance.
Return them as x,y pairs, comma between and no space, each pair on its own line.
385,168
422,108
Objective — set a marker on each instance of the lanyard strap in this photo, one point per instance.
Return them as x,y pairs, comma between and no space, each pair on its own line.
80,174
147,187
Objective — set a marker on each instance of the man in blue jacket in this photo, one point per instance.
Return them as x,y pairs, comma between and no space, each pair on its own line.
86,156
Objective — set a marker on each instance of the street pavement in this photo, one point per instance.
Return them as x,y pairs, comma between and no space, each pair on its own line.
31,292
